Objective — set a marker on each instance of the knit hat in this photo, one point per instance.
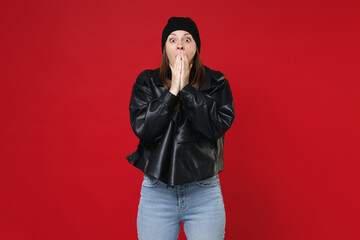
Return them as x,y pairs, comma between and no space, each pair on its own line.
180,23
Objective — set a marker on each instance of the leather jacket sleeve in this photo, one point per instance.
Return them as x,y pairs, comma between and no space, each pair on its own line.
211,114
149,115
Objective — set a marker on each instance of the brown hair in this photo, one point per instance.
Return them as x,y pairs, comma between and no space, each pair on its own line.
197,72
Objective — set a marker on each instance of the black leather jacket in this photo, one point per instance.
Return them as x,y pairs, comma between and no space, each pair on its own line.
185,144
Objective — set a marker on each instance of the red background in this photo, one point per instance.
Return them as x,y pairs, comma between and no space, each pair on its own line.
291,156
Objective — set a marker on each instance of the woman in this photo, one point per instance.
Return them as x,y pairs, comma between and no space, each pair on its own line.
180,112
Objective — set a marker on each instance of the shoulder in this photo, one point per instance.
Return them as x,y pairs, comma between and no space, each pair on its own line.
214,74
216,78
146,75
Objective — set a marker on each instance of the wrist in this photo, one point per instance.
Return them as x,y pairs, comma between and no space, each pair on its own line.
174,91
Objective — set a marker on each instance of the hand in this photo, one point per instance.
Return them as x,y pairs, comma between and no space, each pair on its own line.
180,73
176,75
185,72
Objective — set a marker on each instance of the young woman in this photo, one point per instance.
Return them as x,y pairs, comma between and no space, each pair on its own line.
180,112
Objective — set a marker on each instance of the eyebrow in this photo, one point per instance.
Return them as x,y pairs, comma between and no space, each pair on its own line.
176,35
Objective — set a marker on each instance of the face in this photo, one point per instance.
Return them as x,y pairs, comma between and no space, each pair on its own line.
177,41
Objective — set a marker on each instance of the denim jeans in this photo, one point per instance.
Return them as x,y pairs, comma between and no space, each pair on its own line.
199,205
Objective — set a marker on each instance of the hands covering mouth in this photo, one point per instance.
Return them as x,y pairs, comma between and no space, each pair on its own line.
180,73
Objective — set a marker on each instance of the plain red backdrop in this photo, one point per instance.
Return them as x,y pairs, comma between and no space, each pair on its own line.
291,156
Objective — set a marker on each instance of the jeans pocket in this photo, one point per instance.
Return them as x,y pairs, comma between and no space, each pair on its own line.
209,182
150,181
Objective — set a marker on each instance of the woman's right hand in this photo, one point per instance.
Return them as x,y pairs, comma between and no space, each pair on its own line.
176,75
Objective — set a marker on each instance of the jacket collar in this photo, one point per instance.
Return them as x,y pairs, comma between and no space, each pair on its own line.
206,84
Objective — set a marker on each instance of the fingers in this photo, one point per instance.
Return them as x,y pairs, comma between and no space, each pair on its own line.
176,69
175,66
182,62
186,63
185,59
181,68
179,65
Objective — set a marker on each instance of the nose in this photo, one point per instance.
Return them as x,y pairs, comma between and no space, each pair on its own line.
180,46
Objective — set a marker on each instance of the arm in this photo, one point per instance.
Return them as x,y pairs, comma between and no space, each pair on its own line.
149,116
211,114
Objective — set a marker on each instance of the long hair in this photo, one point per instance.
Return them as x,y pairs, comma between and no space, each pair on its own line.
197,72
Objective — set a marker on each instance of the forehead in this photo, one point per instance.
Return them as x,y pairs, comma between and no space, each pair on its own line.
179,33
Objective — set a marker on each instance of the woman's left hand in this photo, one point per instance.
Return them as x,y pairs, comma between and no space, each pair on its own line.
186,67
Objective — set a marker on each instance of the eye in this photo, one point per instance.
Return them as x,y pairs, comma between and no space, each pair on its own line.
187,40
171,40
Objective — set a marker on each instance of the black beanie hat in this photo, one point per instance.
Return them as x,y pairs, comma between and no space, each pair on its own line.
180,23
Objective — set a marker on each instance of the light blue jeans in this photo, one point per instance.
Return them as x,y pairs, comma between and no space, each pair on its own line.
199,205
